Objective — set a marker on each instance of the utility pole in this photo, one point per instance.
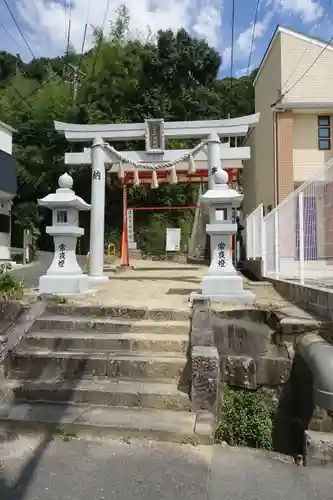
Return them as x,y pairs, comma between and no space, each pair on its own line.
75,81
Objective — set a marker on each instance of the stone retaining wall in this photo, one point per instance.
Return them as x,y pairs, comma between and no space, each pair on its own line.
9,313
255,349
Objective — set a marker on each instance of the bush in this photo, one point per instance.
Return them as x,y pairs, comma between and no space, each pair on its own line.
246,419
10,287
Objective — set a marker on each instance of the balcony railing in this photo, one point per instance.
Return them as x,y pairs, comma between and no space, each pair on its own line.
295,240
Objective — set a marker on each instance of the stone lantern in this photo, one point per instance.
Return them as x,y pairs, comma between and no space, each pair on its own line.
222,282
64,276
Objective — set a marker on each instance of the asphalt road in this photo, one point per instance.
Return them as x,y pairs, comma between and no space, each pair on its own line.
115,470
31,273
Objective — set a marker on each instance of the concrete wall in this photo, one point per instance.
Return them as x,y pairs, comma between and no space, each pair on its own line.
267,91
249,173
307,158
284,145
316,85
6,139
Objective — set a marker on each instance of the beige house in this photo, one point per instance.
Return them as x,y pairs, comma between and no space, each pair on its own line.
294,96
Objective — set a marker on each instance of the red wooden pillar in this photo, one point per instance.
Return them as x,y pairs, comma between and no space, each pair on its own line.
124,239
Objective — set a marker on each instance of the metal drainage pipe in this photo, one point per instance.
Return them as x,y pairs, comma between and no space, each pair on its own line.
318,355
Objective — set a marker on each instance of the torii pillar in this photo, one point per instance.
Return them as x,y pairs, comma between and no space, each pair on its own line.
97,216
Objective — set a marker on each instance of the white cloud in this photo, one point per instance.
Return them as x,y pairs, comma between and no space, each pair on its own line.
244,40
209,22
46,19
308,10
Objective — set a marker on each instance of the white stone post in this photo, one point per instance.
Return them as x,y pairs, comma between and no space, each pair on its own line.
97,215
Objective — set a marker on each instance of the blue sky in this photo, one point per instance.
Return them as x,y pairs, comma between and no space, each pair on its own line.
43,23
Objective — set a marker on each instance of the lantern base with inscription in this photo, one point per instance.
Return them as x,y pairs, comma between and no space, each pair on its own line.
64,276
222,282
63,285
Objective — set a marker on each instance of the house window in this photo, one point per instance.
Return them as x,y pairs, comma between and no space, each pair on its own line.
324,133
62,217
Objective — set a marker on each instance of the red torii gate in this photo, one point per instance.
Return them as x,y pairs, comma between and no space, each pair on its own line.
199,177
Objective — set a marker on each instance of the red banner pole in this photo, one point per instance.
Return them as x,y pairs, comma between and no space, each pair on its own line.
124,239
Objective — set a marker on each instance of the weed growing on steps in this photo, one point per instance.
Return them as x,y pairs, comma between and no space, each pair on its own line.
245,419
62,300
65,434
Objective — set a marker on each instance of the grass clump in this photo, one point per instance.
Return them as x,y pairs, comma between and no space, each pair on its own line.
11,288
246,419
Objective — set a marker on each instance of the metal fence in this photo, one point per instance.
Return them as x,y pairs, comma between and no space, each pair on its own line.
254,233
297,236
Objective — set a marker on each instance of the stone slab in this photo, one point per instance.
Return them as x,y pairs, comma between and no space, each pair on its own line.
117,311
101,391
201,323
244,298
39,364
205,379
132,342
102,421
273,371
242,336
108,325
239,371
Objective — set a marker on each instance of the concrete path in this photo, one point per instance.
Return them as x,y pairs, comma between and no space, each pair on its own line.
150,283
116,470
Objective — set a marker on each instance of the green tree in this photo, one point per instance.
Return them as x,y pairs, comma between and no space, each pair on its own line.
174,76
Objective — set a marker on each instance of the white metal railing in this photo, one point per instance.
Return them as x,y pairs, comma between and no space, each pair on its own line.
297,236
254,233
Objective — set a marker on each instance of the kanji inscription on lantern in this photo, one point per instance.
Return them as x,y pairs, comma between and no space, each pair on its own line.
62,255
96,175
221,255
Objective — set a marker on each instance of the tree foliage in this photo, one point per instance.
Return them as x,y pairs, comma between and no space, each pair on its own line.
128,79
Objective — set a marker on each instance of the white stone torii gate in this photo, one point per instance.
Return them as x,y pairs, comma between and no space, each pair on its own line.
154,132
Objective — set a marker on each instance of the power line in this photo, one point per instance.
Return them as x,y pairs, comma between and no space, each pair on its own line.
25,98
306,71
9,34
19,29
253,36
65,16
69,29
99,43
232,53
306,48
84,35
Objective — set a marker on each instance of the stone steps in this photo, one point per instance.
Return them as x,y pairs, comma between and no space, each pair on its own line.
116,311
37,363
109,325
80,341
103,374
100,421
137,393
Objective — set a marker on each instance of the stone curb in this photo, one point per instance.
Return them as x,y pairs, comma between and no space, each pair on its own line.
23,324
